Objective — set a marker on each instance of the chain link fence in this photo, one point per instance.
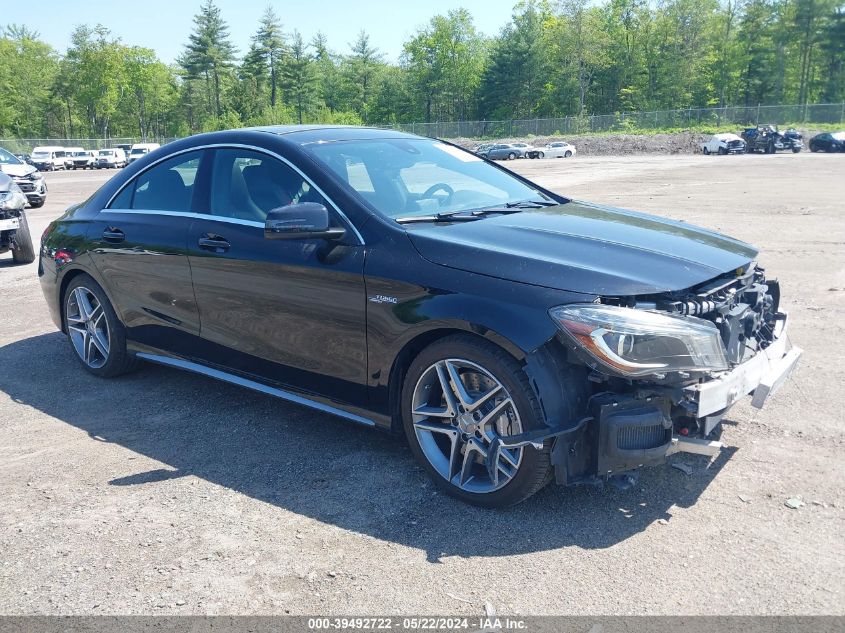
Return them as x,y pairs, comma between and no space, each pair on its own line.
25,145
715,118
719,119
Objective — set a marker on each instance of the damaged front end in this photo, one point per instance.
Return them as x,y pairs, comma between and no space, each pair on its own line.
664,369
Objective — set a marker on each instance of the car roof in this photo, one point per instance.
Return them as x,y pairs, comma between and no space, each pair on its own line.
327,133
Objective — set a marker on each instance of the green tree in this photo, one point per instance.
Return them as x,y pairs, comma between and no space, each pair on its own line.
445,61
513,84
209,54
299,78
270,44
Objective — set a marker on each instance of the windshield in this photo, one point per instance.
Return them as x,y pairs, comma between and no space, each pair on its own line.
7,158
80,154
106,152
406,177
41,155
139,150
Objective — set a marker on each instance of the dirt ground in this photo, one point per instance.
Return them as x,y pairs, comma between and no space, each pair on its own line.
164,492
687,142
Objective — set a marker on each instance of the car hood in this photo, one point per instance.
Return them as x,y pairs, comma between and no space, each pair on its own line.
17,170
584,247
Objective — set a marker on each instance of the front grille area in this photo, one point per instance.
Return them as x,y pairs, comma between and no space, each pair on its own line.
25,186
634,438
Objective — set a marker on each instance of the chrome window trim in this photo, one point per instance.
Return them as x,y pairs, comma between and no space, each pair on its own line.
208,216
186,214
252,384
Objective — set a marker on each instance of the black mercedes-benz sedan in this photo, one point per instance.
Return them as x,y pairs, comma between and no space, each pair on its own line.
404,283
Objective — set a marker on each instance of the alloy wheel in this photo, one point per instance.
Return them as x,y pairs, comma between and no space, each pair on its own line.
459,409
88,327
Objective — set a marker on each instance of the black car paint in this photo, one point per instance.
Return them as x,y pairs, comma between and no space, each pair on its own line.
826,142
337,322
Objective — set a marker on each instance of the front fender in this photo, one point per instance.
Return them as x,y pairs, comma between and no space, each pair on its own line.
414,302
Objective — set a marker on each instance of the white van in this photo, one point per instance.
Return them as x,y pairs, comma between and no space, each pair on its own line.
70,152
48,157
140,149
109,158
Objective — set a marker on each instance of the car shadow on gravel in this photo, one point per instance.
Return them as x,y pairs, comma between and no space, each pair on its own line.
319,466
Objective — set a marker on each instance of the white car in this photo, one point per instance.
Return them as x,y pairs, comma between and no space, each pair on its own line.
724,143
29,180
140,149
48,157
70,152
558,149
83,160
110,158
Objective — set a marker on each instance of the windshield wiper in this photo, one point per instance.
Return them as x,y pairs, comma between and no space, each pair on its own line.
450,216
465,216
531,204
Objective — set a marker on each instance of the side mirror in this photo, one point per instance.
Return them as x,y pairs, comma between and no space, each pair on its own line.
301,221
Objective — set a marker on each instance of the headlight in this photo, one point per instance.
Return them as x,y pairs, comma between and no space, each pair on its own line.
12,200
36,175
638,342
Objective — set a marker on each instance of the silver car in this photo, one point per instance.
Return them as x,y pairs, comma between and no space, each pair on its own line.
505,151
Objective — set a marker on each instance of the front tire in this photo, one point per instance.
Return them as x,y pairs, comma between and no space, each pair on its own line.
568,154
23,253
96,335
459,395
511,156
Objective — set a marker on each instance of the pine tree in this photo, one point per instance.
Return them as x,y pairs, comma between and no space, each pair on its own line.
209,54
270,44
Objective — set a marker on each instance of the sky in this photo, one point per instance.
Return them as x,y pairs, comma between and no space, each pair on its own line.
163,25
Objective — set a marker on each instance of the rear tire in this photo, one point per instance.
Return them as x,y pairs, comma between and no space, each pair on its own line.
23,253
509,405
88,314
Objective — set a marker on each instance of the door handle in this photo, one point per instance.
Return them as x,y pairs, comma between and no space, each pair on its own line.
113,235
213,243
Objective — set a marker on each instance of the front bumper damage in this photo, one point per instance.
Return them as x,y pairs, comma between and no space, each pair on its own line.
643,427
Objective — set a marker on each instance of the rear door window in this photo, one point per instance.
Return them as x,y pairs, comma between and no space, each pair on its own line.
168,186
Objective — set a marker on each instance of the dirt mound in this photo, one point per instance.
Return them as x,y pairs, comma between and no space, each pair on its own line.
686,142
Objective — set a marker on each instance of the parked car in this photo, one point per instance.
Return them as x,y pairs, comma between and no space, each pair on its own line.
828,142
558,149
26,158
85,159
724,143
525,147
140,149
407,284
29,180
14,229
768,139
110,158
504,151
48,158
70,152
481,150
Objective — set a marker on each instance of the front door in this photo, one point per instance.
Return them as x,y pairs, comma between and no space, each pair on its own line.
291,312
139,249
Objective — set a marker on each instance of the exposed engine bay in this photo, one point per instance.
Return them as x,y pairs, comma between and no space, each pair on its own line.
647,398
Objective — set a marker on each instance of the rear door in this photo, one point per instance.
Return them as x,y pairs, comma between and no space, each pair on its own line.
287,311
140,253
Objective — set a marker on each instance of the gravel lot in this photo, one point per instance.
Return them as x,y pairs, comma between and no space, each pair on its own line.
163,492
